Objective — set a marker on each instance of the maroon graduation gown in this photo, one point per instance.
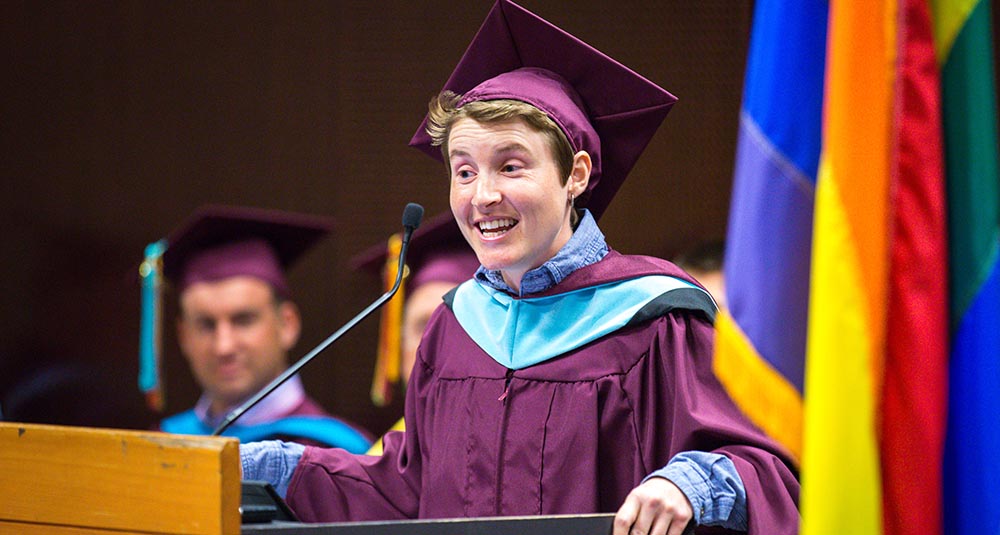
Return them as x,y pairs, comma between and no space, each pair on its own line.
573,434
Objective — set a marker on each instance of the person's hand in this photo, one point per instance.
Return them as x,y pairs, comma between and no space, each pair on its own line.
656,507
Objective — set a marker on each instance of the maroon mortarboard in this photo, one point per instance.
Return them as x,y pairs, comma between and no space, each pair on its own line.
602,106
218,242
437,253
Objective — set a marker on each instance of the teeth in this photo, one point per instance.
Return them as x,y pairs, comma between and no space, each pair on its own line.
496,227
495,224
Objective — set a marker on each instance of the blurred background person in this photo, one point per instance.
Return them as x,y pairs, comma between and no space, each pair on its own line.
438,259
237,323
704,263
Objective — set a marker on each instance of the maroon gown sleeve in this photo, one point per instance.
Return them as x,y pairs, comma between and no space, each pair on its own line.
332,485
705,418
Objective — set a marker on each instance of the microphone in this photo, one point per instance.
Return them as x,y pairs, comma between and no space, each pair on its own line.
412,215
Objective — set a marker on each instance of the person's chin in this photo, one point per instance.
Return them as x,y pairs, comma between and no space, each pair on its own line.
495,261
497,254
234,387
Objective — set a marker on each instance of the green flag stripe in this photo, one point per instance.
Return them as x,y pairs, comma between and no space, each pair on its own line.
970,126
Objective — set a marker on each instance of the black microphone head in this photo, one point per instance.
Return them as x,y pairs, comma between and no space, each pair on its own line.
412,216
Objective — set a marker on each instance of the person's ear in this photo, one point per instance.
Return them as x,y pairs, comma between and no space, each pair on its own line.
579,175
290,324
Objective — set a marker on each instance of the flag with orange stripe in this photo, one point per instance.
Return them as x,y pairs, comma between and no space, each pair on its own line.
857,390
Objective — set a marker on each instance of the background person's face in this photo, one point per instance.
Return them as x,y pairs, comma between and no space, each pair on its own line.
235,337
420,304
507,195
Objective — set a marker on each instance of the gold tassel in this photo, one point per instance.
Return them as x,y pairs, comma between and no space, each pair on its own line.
389,356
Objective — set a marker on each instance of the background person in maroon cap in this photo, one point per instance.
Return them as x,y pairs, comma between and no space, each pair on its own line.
238,322
438,259
566,377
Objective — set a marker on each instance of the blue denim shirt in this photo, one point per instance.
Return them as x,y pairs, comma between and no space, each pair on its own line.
709,480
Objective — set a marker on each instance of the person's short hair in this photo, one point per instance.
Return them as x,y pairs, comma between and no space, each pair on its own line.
444,112
705,257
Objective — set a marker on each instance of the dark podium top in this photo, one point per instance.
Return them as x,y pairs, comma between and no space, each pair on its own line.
596,524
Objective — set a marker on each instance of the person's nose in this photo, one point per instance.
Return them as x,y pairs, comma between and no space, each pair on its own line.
224,342
487,193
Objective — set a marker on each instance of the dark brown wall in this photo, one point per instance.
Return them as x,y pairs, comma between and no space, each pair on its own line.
120,118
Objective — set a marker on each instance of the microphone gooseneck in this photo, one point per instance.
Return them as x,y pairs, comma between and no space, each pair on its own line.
411,220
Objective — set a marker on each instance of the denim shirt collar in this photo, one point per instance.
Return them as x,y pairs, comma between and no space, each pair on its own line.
586,246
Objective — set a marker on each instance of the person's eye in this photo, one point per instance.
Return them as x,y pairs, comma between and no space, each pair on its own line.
204,325
464,175
244,319
511,167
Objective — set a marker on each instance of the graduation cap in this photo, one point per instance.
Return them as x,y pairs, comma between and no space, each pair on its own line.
602,106
218,242
437,253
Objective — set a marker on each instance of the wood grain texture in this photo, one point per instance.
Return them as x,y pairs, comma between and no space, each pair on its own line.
77,478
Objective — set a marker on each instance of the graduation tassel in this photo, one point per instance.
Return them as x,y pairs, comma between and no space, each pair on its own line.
388,358
151,275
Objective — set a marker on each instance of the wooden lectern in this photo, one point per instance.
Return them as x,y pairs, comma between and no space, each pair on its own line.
85,481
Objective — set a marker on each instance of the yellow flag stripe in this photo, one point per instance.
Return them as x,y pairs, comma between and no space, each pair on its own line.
841,476
841,480
764,394
949,17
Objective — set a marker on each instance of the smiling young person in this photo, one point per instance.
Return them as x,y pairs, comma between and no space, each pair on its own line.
565,377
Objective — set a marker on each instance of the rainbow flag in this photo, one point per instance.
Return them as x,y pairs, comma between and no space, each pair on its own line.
860,285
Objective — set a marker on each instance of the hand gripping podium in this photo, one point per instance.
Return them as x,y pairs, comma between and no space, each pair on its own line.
86,481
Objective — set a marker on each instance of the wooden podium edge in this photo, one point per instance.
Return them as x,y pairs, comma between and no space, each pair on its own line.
79,480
